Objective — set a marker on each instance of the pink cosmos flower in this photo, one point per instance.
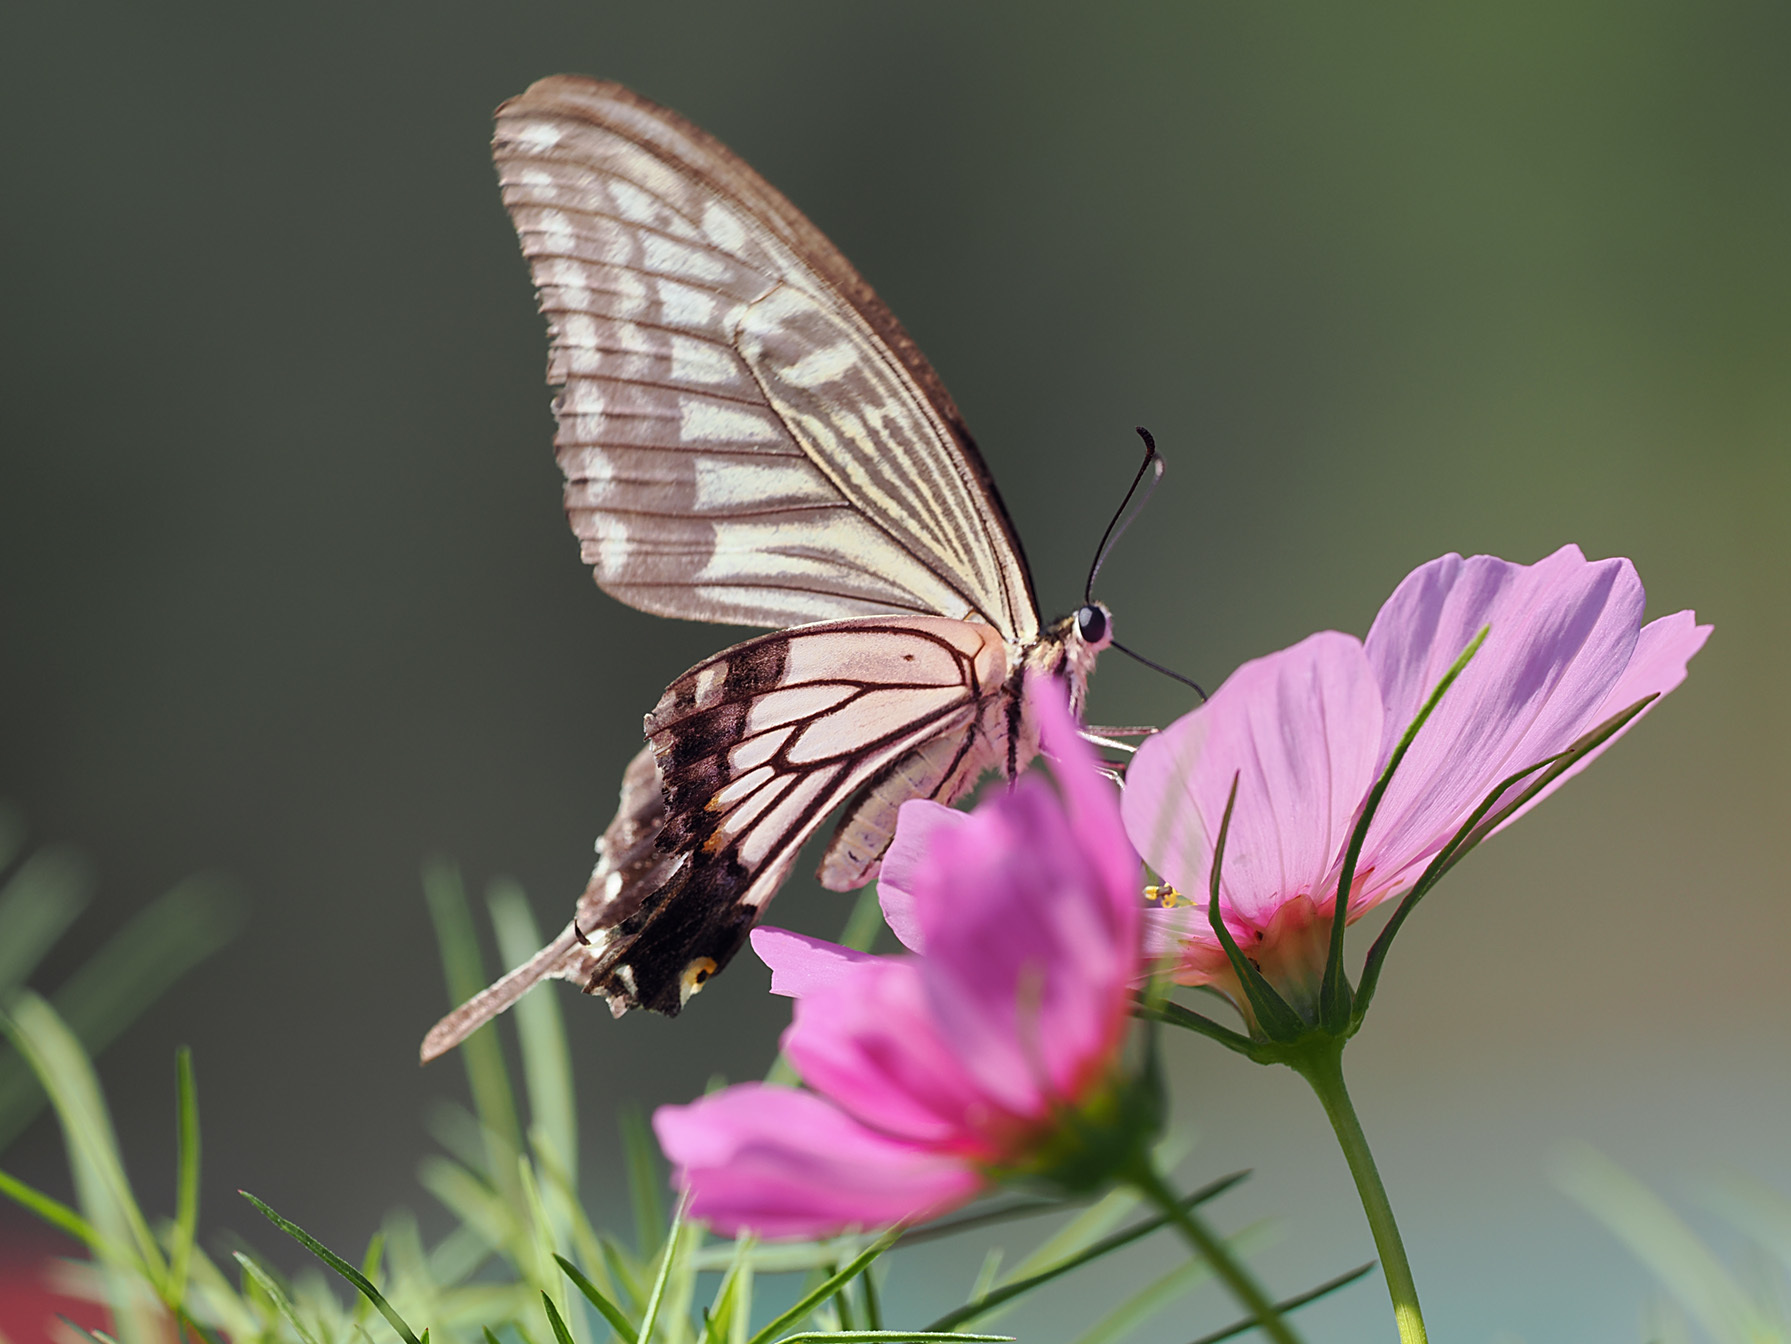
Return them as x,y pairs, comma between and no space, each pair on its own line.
1307,731
984,1051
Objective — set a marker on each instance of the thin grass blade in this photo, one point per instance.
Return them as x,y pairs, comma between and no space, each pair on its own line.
341,1266
822,1292
275,1294
1286,1305
546,1060
607,1309
638,1153
186,1176
650,1316
493,1098
1657,1237
1106,1246
37,904
560,1332
131,970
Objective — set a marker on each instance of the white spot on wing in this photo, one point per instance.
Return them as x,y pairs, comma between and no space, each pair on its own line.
683,306
612,548
701,362
724,482
707,422
538,135
822,366
722,228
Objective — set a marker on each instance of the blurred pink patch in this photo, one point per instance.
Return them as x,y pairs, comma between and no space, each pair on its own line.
1308,730
931,1069
31,1296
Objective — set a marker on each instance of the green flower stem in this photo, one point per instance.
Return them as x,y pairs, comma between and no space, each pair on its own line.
1235,1277
1323,1069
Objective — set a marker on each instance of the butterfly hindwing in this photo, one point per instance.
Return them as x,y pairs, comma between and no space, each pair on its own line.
747,434
759,744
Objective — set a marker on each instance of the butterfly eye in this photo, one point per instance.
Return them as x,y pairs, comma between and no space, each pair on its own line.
1091,624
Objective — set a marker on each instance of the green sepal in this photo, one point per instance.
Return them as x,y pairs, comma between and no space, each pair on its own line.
1481,823
1275,1017
1176,1015
1335,998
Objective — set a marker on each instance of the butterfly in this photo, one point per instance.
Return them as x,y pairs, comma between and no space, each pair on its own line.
749,436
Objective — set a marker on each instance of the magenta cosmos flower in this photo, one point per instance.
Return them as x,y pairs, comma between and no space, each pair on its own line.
1307,731
989,1050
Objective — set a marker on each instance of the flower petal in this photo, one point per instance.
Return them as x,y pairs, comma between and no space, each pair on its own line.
1029,959
785,1163
1561,632
800,964
872,1047
916,823
1662,651
1300,731
1091,801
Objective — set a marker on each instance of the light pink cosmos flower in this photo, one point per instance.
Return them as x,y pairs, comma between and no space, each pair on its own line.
1307,731
937,1071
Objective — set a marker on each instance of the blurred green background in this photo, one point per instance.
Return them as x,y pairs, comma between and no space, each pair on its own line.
285,588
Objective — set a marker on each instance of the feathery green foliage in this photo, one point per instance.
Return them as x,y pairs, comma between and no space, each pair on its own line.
527,1263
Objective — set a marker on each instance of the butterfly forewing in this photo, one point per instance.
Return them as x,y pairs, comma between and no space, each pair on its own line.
747,434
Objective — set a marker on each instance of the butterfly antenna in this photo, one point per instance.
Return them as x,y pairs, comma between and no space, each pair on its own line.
1117,527
1158,667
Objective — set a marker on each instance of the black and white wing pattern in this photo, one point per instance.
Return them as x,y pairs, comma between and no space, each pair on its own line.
747,433
748,436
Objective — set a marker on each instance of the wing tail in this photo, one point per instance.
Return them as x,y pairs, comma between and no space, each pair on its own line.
557,961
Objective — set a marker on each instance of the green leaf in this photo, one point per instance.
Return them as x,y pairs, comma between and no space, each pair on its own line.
546,1060
97,1336
821,1293
1106,1246
12,834
1286,1305
894,1337
275,1294
639,1156
873,1309
610,1312
1656,1236
57,1215
37,904
1122,1319
186,1177
341,1266
493,1098
560,1332
376,1245
667,1258
129,972
107,1202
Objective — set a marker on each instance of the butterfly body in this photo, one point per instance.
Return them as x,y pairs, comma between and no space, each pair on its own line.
748,436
